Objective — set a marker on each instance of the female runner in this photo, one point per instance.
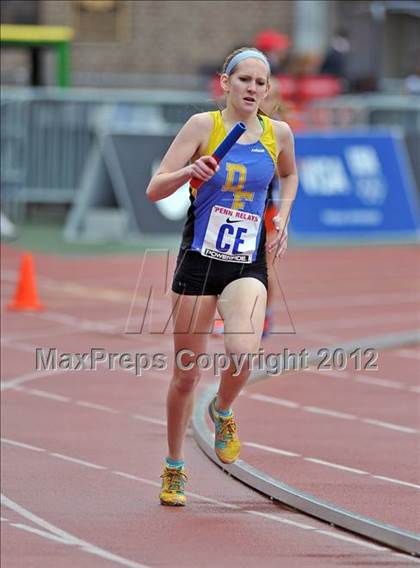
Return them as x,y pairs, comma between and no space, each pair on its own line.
222,258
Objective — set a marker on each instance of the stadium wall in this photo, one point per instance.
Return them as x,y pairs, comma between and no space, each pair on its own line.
163,36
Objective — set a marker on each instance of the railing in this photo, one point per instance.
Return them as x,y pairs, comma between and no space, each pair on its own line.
46,134
371,110
366,110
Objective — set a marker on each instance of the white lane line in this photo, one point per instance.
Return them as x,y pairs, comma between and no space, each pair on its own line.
261,398
83,324
69,538
39,532
336,535
381,298
392,480
408,353
250,444
273,400
390,426
271,449
329,373
94,550
12,383
97,406
330,412
326,412
4,520
284,521
405,557
46,394
414,389
5,385
75,460
188,493
74,321
19,347
379,382
315,336
358,322
21,445
215,501
9,504
329,464
116,295
354,540
136,478
148,419
53,331
337,466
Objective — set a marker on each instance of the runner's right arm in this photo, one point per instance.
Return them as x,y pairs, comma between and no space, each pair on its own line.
173,171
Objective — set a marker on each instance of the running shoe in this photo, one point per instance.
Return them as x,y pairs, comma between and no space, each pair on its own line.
173,487
219,327
226,442
268,324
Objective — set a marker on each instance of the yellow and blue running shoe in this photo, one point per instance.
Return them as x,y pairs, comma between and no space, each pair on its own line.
226,442
173,487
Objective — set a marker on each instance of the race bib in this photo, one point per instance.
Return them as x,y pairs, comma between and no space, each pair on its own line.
231,235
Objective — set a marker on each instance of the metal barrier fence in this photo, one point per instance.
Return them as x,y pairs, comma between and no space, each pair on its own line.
354,111
366,109
47,134
14,153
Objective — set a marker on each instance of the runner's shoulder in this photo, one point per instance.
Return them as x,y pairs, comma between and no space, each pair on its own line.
203,121
201,125
282,132
281,129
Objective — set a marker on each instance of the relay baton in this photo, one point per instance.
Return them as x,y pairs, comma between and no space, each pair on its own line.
222,149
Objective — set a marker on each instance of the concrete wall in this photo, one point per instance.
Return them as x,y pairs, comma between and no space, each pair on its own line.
163,36
159,37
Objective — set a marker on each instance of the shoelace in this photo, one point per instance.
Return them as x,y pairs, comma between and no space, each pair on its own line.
227,427
174,478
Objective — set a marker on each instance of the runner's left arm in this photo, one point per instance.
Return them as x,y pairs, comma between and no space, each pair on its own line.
288,177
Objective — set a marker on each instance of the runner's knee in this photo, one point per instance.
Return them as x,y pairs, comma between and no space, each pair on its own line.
185,381
242,346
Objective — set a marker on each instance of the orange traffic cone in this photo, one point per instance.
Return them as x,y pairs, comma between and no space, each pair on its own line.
26,297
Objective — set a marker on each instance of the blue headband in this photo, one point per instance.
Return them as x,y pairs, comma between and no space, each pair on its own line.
245,55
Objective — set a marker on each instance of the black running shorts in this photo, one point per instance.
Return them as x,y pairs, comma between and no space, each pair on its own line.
197,275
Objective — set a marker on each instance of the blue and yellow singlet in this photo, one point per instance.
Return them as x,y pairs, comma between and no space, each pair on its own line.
225,218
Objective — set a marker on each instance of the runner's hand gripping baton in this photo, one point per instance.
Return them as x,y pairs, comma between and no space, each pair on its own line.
222,149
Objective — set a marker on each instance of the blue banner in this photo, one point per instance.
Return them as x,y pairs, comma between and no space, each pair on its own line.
354,184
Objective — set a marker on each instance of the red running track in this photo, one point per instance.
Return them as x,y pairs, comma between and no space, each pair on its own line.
82,450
